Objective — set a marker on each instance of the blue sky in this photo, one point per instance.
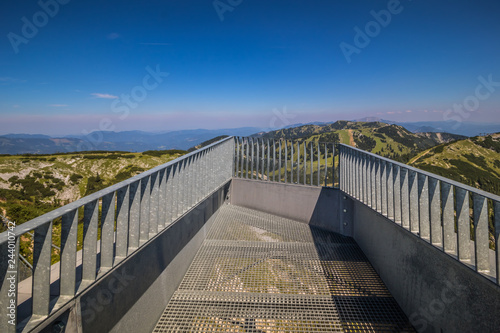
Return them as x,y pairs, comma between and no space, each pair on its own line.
90,65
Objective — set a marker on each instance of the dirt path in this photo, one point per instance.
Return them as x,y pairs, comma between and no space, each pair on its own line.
351,138
418,157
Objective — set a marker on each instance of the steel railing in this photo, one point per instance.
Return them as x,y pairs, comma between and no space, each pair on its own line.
127,215
286,161
460,220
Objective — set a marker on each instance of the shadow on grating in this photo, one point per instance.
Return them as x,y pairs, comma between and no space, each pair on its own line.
257,272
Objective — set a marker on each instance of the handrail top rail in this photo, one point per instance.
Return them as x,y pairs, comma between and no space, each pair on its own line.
47,217
483,193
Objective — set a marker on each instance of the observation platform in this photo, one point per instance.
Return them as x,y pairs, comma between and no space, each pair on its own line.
257,235
257,272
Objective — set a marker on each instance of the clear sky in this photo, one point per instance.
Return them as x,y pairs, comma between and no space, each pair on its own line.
71,66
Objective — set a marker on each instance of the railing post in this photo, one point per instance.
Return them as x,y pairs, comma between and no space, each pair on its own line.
135,215
390,190
481,239
268,160
326,165
397,193
463,223
423,204
305,162
378,184
383,177
107,231
162,198
436,233
122,220
144,220
286,161
69,230
448,207
414,209
154,203
405,199
237,156
319,163
41,268
90,216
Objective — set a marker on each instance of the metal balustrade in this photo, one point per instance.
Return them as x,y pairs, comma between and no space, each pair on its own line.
286,161
460,220
126,215
115,222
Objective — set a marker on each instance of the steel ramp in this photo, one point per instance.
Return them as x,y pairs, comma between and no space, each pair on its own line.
257,272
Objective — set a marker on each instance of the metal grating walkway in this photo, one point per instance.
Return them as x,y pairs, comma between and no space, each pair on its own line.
258,273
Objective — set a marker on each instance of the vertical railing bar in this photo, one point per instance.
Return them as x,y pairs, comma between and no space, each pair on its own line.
326,164
89,260
390,190
257,160
448,219
155,214
69,238
312,162
436,233
107,230
286,160
481,233
122,220
41,269
305,162
144,219
247,152
279,158
253,160
268,160
135,215
378,185
274,160
383,175
319,163
162,199
414,204
333,164
463,224
242,156
263,167
397,193
237,162
405,199
424,208
368,180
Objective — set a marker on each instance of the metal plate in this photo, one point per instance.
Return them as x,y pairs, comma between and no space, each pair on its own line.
257,272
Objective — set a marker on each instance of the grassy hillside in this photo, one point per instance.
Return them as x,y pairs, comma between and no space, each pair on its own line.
392,141
474,161
31,185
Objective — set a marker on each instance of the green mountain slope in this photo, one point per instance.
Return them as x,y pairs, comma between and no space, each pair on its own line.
31,185
474,161
392,141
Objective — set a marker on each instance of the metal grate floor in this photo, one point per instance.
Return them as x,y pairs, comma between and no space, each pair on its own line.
259,273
